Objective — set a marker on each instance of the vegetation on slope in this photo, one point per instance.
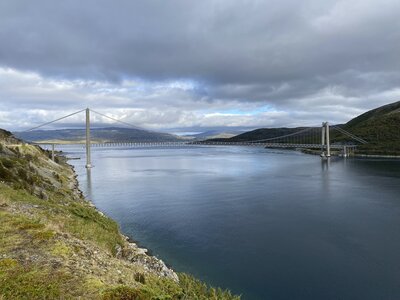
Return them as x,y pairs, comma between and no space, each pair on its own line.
55,245
261,134
380,127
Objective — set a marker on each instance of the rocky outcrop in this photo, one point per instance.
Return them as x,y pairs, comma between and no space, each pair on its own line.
133,253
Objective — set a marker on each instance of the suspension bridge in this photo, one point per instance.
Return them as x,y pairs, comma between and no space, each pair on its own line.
318,137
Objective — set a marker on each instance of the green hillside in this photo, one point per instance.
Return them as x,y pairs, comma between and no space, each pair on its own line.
380,127
261,133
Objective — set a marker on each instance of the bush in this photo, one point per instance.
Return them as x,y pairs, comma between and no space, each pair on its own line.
5,174
122,293
139,277
23,174
8,163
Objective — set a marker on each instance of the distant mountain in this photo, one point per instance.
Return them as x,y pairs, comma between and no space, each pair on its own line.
380,127
213,134
111,134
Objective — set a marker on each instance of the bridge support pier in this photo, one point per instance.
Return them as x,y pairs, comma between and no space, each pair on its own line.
328,141
88,159
325,140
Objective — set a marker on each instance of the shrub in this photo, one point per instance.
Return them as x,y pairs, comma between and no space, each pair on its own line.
139,277
122,293
8,163
5,174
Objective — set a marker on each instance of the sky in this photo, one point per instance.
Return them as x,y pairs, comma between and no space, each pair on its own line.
181,65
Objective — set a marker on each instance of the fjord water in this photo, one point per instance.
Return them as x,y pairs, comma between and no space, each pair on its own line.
267,224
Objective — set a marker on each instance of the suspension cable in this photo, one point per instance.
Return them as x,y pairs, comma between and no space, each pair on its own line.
59,119
279,137
354,137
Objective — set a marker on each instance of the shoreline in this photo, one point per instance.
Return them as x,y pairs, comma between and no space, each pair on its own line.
358,155
375,156
157,265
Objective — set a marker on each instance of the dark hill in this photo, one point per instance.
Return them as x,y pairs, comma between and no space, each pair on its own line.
261,133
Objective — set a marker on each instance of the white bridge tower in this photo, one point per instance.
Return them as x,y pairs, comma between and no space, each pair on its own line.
325,140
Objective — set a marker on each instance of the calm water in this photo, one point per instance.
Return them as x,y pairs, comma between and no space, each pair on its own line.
266,224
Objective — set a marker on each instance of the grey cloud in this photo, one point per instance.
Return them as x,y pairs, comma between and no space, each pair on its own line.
300,57
222,41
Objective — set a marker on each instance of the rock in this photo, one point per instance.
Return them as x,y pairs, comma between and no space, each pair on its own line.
118,251
133,253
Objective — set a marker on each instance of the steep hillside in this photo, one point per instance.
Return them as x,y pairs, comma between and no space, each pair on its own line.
111,134
380,127
56,245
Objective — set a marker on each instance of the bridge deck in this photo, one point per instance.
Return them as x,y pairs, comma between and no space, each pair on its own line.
176,144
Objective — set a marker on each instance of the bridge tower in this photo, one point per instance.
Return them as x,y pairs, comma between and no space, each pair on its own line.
88,159
328,141
325,140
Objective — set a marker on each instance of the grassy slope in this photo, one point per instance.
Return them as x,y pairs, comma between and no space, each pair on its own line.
54,244
380,127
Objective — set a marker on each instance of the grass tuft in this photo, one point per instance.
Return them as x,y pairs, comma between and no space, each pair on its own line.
123,293
31,282
61,249
88,224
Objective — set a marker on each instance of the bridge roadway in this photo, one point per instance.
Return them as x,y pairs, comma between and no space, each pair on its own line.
210,143
274,145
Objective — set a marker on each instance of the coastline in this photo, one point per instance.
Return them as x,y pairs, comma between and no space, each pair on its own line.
357,155
137,254
375,156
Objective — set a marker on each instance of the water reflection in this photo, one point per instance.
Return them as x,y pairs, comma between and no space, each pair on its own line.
88,188
325,163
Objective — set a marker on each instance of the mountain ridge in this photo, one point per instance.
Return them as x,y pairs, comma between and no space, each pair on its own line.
101,135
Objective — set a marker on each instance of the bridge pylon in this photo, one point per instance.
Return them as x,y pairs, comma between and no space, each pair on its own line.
328,140
325,140
88,158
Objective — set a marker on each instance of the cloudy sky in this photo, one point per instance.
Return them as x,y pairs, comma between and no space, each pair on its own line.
187,65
